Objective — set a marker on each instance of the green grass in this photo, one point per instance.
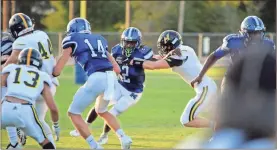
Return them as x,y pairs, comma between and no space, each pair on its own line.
152,123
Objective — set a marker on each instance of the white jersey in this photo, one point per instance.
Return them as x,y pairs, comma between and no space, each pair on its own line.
39,40
25,82
191,65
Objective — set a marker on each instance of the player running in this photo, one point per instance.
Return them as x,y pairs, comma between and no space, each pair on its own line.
91,52
183,60
129,88
252,32
25,83
22,30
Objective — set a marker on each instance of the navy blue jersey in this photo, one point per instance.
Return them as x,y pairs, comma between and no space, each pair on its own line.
89,50
234,44
133,77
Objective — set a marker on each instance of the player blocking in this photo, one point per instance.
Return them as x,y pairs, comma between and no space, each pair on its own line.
25,84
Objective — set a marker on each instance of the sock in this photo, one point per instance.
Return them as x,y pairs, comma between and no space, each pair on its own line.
51,139
120,133
12,135
106,130
91,142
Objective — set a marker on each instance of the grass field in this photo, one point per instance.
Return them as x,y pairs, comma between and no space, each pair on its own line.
152,123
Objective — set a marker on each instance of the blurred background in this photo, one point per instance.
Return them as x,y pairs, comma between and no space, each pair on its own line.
203,24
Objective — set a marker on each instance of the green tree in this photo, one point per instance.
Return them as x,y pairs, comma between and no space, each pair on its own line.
36,10
57,20
102,15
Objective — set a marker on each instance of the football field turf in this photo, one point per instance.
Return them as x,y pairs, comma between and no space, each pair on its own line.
152,123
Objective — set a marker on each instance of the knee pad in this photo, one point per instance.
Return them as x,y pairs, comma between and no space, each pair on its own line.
49,145
114,112
123,104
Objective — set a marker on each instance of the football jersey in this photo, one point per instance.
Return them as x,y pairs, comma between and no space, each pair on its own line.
190,67
234,44
133,77
89,50
39,40
25,82
6,44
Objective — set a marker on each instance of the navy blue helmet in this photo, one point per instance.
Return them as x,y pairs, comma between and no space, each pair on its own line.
130,39
78,25
252,26
168,40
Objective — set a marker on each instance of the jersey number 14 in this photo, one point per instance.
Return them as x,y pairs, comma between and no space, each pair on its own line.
100,48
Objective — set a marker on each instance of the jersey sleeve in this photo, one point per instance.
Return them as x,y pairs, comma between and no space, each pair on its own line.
69,41
19,44
47,79
173,62
8,68
230,42
147,52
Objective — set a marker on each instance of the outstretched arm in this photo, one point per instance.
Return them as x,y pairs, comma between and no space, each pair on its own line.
212,58
116,67
62,61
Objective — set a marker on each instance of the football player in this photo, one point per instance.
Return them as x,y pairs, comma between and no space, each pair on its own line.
6,50
252,32
130,87
22,30
91,52
183,60
25,83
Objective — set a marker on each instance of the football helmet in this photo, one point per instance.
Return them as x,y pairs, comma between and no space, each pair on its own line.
30,57
168,40
252,27
130,39
20,24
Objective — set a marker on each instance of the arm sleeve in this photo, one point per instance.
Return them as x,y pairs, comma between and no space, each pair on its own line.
47,79
172,62
69,42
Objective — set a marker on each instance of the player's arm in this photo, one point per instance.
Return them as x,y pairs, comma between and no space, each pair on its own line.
62,61
212,58
4,79
49,100
116,67
12,59
47,95
165,63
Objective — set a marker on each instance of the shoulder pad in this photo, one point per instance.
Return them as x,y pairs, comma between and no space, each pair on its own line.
68,41
19,44
232,37
8,68
270,43
47,78
116,49
146,51
233,41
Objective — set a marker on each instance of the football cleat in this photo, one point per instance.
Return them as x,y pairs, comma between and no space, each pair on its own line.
16,146
126,142
103,139
74,133
22,137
